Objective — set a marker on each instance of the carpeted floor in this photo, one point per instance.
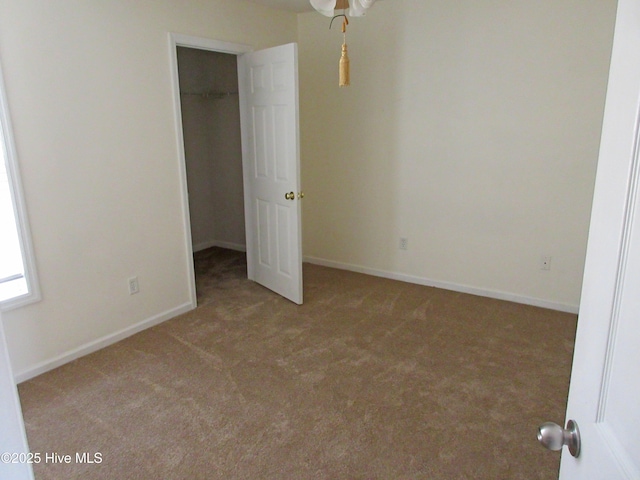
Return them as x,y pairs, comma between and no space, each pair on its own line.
369,379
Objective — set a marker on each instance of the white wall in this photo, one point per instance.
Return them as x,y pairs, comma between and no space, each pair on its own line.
470,128
89,91
213,148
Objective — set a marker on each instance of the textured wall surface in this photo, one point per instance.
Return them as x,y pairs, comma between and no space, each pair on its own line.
471,128
91,100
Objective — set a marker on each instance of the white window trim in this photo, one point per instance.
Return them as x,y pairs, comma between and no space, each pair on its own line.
15,186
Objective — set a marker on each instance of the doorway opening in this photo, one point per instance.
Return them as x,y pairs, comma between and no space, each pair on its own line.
267,94
210,109
205,83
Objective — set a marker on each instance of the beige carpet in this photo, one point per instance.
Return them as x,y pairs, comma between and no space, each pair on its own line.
369,379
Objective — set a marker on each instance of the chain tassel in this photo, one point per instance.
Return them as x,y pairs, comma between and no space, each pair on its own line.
345,79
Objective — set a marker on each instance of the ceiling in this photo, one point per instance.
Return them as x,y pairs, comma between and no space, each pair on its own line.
297,6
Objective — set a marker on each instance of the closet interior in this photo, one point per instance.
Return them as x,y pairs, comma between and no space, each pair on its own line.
213,153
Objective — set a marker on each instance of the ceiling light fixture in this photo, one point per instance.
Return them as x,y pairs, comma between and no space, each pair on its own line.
331,8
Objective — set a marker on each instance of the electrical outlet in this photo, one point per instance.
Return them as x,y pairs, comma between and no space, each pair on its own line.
404,244
134,287
545,263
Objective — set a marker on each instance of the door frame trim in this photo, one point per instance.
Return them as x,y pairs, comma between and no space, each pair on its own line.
179,40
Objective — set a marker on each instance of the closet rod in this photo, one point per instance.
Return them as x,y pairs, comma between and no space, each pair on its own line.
210,94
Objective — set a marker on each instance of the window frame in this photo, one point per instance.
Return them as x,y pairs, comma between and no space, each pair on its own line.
19,208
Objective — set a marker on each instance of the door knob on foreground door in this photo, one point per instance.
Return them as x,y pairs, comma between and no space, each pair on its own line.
290,196
554,437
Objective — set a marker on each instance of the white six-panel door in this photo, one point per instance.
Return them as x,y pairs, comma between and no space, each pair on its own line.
268,85
604,397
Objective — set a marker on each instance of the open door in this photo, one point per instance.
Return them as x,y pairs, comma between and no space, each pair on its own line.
15,463
605,381
268,88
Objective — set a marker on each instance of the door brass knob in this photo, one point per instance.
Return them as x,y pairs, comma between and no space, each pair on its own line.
289,196
554,437
300,195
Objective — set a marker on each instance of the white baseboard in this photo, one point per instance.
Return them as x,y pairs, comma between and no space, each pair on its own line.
231,246
511,297
219,243
164,316
100,343
204,245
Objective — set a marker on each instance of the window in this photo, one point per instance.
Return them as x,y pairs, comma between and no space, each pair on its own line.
18,284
